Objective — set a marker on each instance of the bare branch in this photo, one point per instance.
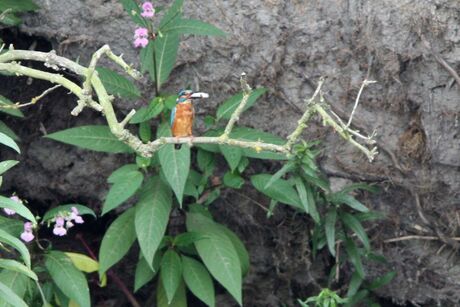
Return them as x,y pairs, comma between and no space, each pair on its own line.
33,101
363,85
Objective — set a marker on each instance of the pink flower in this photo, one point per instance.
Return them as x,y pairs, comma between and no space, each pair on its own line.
141,42
27,235
59,231
141,32
59,221
9,211
75,216
16,199
147,10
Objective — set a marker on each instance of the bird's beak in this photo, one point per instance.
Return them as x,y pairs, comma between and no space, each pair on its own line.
199,95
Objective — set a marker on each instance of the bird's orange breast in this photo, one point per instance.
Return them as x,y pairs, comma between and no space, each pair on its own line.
183,120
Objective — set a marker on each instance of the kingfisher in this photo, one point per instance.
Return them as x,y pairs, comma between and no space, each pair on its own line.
183,114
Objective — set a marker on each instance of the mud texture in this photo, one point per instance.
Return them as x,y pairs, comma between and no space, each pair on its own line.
286,46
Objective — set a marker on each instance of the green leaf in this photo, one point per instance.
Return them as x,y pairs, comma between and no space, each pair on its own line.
175,164
12,226
7,130
122,190
146,113
6,165
206,161
117,85
381,281
179,300
198,280
18,207
146,59
354,257
340,198
144,273
6,101
83,262
152,216
232,154
82,210
117,240
280,190
68,278
133,10
240,249
217,253
187,238
233,180
97,138
312,210
171,273
289,166
351,222
165,56
329,226
15,281
354,284
302,192
13,265
173,14
192,26
7,141
145,133
226,109
17,244
18,6
10,297
120,173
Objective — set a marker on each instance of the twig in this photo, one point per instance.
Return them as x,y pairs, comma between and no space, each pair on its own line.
439,59
363,85
302,123
236,114
416,237
32,101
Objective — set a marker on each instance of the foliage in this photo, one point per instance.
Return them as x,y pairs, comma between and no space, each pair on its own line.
146,191
9,10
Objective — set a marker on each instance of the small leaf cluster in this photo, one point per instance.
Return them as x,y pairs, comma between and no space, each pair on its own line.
9,10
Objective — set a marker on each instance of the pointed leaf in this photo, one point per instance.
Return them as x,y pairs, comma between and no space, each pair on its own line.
7,102
15,281
17,244
10,297
68,278
280,190
146,113
116,84
198,280
13,265
134,11
329,226
227,108
175,164
120,173
340,198
165,56
83,262
232,154
382,281
312,210
218,254
18,207
97,138
289,166
354,257
240,249
179,300
144,273
7,141
173,14
351,222
6,165
122,190
117,240
171,273
7,130
152,216
192,26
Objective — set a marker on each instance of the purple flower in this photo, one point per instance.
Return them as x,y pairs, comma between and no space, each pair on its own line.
59,221
9,211
75,216
27,235
141,32
59,231
141,42
147,10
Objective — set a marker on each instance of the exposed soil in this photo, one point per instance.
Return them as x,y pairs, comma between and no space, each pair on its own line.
284,46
